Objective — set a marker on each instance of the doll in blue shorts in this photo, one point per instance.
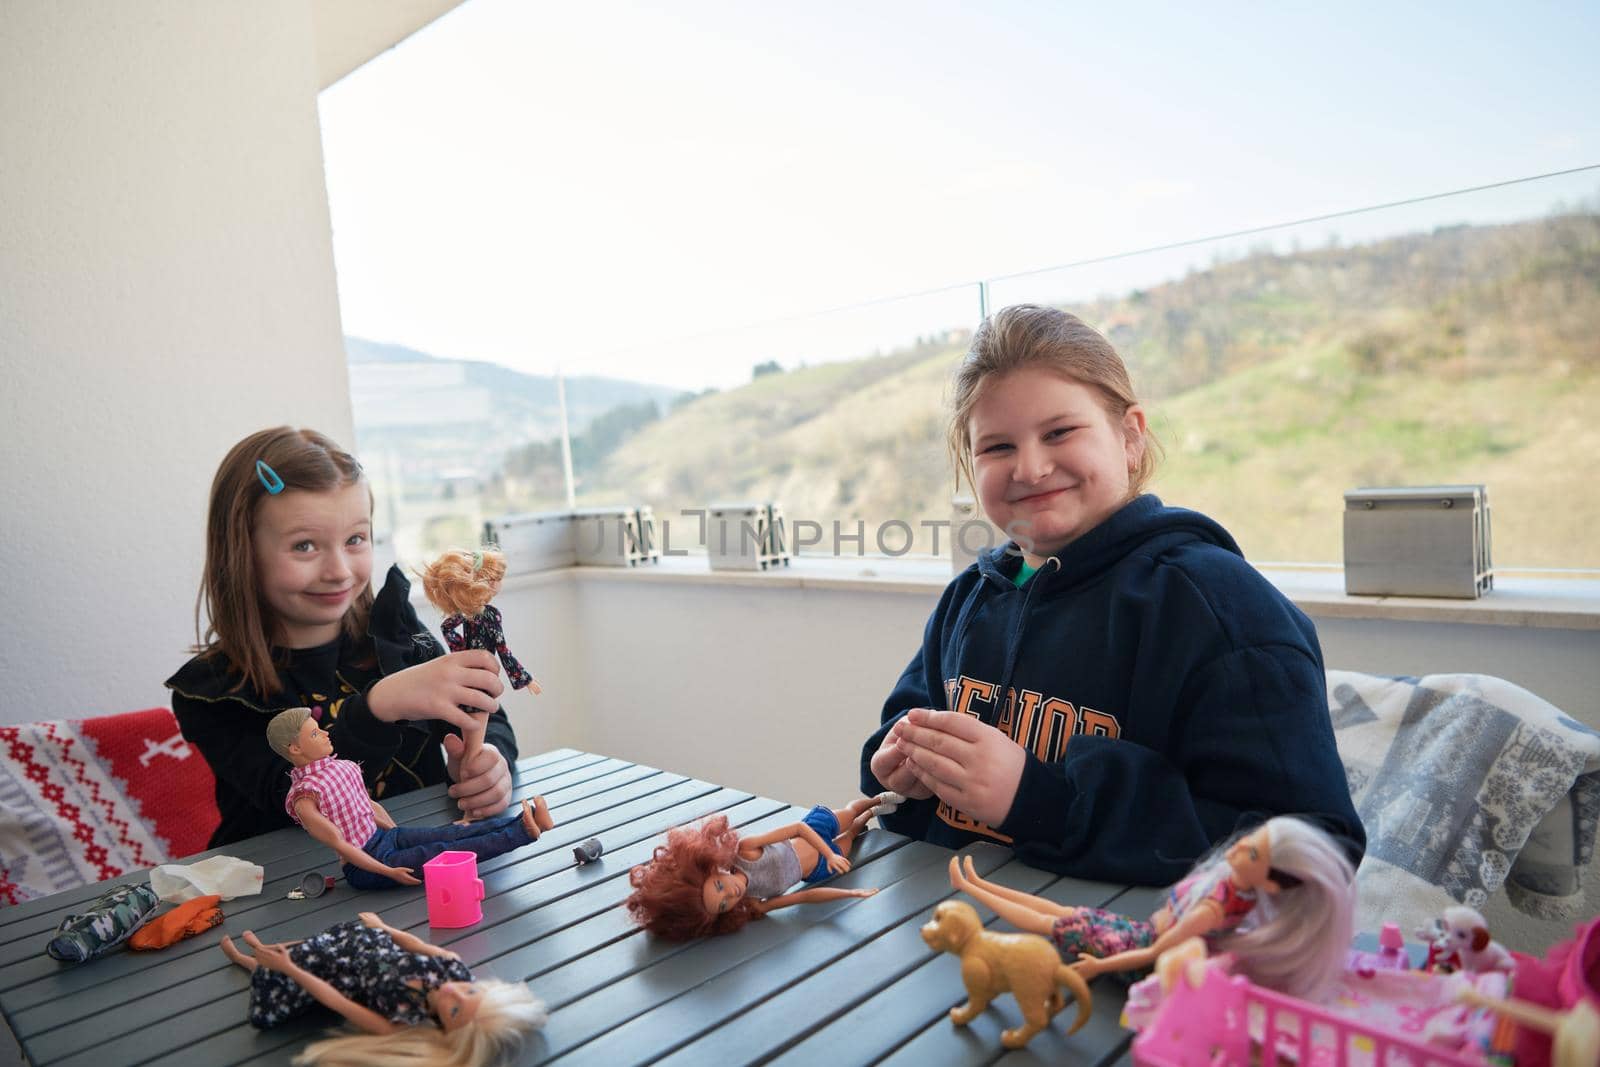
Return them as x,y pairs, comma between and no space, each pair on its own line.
708,880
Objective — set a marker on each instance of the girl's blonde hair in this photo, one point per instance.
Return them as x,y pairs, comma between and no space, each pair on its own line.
461,582
1028,335
508,1013
238,624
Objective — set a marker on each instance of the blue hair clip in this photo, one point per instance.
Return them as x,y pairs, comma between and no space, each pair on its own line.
269,478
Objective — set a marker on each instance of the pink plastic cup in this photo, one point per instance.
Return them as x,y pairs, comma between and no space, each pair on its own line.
450,881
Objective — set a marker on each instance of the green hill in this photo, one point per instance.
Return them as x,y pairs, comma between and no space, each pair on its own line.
1276,382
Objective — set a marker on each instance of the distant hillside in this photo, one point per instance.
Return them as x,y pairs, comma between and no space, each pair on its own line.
1276,382
465,414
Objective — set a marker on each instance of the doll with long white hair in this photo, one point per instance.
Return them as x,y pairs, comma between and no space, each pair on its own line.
1280,897
416,1002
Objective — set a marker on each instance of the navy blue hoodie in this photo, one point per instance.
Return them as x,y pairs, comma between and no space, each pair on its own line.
1191,692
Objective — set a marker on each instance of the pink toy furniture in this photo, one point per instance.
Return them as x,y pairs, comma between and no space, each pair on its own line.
1211,1026
454,892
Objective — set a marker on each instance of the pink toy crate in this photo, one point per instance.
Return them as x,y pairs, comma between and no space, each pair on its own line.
1211,1026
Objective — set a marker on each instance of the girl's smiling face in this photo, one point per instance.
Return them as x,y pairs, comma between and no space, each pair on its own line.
313,557
1050,463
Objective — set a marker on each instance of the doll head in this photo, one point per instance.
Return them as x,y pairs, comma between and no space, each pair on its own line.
298,737
463,583
1297,938
506,1013
281,465
670,893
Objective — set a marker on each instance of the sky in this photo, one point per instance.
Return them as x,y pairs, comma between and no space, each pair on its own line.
674,193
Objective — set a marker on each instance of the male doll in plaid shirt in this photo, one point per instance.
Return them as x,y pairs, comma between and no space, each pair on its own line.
328,797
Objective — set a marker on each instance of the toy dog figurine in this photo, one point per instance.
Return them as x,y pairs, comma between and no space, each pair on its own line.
1467,936
1025,965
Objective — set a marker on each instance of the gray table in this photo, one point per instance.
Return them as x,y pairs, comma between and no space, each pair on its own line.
840,983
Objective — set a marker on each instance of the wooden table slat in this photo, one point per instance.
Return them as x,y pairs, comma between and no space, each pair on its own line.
271,906
242,1041
285,920
767,1029
660,974
919,1002
828,935
21,926
843,982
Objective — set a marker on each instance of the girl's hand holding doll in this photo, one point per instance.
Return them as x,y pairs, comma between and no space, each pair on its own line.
437,688
483,787
967,764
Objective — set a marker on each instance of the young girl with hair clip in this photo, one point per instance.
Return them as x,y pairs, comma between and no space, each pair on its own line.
1116,687
290,620
707,879
1281,898
416,1002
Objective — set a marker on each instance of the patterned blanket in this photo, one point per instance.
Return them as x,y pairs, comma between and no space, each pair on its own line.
83,800
1465,783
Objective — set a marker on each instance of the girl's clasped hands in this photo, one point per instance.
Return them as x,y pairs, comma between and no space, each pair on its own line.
967,764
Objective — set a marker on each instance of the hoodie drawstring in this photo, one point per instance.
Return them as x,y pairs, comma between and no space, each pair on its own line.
1014,646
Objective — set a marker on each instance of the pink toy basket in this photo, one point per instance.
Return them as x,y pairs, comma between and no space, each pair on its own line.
1212,1026
450,881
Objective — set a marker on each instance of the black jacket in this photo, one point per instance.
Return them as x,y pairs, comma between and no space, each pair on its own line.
1165,692
229,725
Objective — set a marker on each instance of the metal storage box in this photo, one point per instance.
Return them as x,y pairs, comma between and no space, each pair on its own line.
606,537
536,541
1417,541
746,537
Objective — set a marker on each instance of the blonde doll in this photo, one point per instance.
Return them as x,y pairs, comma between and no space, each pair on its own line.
1280,898
416,1002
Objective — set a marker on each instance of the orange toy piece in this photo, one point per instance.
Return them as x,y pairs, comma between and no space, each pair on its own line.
1025,965
187,919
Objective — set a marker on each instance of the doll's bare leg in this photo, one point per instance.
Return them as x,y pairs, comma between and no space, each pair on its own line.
230,950
846,841
852,813
471,745
1024,915
1028,900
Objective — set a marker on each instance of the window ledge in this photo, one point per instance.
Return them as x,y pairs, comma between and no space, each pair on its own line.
1541,603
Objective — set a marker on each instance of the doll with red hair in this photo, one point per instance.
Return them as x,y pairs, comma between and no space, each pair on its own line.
707,879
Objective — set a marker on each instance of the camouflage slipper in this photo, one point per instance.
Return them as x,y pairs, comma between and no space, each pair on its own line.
109,922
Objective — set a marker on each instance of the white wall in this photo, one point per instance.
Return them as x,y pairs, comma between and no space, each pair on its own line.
773,688
166,286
